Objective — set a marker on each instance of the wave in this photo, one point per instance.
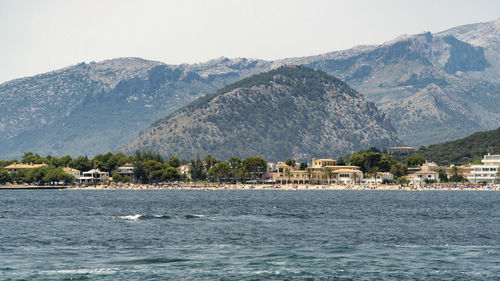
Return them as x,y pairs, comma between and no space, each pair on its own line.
151,261
137,217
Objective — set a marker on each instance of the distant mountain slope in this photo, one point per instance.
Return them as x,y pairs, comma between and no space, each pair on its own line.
464,150
96,107
287,112
403,69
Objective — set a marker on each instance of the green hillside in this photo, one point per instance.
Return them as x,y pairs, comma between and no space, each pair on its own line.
464,150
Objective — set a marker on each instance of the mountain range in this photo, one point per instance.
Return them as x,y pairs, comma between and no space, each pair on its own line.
291,111
433,87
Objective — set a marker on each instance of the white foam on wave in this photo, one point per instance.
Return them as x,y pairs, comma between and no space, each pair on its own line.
82,271
131,217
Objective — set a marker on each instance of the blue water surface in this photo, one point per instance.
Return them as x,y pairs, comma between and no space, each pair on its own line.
249,235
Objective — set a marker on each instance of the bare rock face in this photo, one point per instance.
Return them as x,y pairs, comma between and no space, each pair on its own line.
288,112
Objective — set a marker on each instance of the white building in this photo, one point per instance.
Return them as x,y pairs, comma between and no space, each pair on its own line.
379,178
126,170
184,170
94,175
74,172
422,176
272,167
486,172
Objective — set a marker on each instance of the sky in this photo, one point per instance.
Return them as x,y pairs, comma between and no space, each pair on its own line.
40,36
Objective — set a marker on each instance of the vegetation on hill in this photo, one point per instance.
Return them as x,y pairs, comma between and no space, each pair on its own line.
463,151
290,111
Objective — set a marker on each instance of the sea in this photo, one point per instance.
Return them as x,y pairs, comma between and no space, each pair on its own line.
249,235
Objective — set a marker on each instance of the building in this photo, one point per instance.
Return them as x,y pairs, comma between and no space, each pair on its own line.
19,167
400,150
487,172
465,171
430,166
322,171
74,172
184,170
94,175
125,170
272,167
423,176
379,178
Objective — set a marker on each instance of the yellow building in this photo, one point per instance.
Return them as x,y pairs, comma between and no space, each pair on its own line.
322,171
18,167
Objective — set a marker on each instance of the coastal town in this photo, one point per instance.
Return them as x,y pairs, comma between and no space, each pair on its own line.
255,173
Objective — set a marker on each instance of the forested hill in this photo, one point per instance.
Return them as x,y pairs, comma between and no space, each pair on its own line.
464,150
290,111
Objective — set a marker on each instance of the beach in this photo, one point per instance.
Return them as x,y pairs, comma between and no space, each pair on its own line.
213,186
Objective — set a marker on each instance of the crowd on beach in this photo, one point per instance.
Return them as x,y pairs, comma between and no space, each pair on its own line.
215,186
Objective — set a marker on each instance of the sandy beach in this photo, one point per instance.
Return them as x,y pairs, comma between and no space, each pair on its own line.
212,186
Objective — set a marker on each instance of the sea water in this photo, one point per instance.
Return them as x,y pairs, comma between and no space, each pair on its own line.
249,235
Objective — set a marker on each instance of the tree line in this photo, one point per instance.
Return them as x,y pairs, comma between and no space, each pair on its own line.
152,168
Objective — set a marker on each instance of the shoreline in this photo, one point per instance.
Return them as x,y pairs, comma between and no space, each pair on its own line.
252,187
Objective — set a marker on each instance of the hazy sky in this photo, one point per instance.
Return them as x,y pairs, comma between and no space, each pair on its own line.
39,36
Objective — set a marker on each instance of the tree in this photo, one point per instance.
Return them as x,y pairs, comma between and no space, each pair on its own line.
357,160
152,169
371,160
415,160
256,166
30,157
398,170
385,163
117,160
59,162
303,166
219,171
290,162
209,162
81,163
4,176
170,173
288,174
197,169
117,178
243,173
174,162
235,164
329,174
402,180
340,161
442,175
309,174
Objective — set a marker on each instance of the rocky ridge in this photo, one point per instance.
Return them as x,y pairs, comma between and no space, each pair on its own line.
287,112
92,108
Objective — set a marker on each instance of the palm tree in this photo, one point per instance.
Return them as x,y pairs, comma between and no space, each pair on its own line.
243,173
288,174
329,174
309,174
355,176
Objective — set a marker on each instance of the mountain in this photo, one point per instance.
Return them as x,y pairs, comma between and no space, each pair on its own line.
290,111
409,73
92,107
463,151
